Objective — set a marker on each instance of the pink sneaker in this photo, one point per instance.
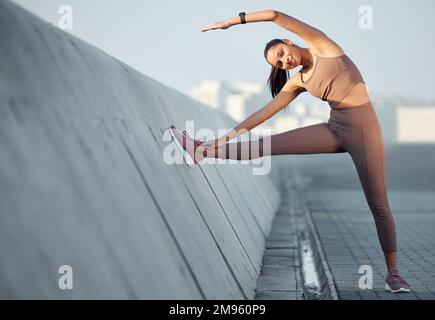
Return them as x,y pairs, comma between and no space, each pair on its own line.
395,283
187,146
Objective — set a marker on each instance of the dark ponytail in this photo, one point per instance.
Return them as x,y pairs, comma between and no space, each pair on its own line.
278,77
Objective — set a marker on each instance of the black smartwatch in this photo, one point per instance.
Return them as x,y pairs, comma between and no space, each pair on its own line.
242,17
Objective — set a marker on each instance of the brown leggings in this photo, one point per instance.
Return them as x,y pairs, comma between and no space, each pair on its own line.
355,130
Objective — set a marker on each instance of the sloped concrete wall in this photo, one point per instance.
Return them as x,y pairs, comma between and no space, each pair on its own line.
83,183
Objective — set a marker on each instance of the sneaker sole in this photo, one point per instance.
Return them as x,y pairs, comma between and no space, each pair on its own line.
187,158
401,289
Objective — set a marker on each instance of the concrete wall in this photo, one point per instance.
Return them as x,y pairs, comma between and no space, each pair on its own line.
83,183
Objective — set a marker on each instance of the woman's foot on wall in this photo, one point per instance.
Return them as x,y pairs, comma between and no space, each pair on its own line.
187,146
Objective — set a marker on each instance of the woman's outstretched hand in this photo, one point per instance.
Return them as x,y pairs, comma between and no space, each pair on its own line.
217,25
215,143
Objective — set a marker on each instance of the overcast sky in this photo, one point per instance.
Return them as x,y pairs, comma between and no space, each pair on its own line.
161,38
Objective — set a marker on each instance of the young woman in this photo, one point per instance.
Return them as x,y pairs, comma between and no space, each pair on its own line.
329,74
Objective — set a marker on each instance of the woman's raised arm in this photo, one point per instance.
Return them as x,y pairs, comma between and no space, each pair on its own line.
258,16
302,29
312,36
287,94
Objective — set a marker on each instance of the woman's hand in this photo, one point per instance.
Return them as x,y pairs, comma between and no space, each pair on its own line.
217,25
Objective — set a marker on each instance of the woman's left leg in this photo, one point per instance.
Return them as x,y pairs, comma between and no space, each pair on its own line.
312,139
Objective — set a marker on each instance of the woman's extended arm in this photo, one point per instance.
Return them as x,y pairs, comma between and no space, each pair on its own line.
287,94
294,25
249,123
313,36
252,121
264,15
303,30
258,16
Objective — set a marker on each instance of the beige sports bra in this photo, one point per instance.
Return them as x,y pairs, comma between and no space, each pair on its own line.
332,79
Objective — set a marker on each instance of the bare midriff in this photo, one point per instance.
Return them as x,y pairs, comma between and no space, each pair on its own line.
357,96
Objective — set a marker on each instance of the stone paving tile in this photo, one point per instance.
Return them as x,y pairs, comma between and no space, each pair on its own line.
276,295
277,278
280,261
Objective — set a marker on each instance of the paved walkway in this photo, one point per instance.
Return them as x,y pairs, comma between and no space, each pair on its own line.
281,275
345,226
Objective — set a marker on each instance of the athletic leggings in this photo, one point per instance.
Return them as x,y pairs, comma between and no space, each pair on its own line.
355,130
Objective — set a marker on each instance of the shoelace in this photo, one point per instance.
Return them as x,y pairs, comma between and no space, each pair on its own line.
398,277
196,142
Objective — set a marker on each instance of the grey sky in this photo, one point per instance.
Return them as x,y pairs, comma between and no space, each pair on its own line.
162,38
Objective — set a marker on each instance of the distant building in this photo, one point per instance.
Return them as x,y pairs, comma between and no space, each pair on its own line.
231,97
405,120
416,124
402,120
212,93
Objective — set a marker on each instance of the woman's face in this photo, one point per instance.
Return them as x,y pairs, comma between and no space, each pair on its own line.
283,56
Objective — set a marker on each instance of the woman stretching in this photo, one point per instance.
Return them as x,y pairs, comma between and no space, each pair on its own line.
329,74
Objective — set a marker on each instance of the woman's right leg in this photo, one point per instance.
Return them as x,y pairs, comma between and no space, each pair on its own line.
317,138
365,146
